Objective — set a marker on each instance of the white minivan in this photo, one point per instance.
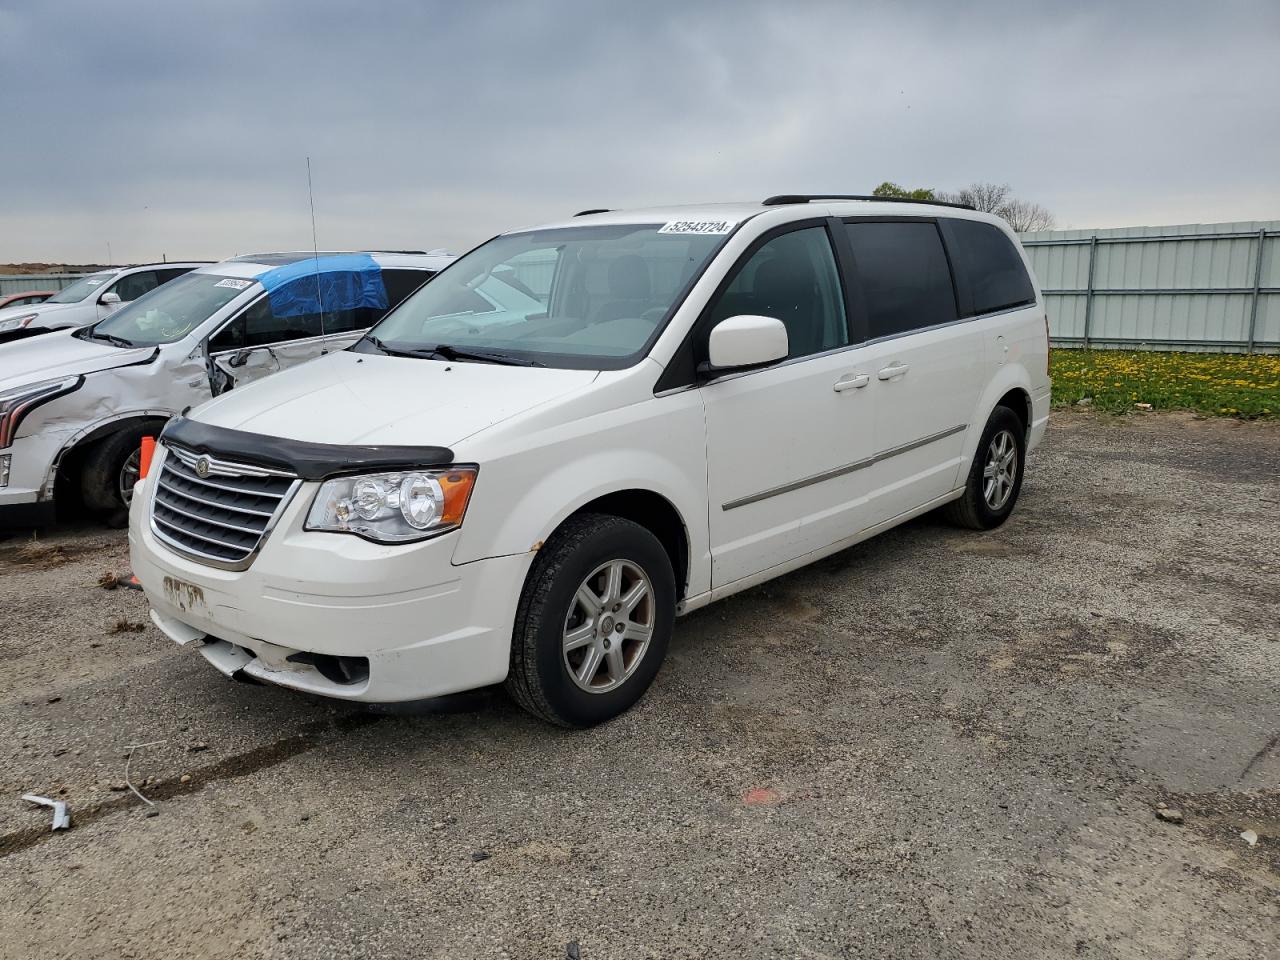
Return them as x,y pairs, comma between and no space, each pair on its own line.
74,404
576,432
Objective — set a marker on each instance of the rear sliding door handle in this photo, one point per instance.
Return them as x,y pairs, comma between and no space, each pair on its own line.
893,370
853,381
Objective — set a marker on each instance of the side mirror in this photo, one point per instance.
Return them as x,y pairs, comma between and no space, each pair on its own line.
239,358
747,341
110,298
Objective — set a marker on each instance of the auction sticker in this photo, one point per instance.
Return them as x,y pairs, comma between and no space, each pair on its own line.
234,284
713,227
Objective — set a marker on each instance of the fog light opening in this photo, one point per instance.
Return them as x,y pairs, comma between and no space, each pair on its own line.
341,670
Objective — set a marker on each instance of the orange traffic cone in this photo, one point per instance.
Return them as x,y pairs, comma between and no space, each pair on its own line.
148,449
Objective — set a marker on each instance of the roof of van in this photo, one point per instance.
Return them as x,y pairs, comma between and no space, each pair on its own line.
735,213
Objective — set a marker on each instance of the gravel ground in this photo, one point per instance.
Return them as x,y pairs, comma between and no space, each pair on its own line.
937,744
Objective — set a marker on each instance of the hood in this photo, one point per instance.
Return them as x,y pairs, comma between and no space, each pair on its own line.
43,309
350,398
59,354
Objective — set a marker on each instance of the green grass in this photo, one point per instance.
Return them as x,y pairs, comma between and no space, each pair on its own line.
1217,384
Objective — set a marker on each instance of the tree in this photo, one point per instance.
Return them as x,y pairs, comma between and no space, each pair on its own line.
891,189
1026,217
1023,215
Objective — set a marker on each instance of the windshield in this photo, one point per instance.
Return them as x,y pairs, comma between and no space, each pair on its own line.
585,297
170,311
81,288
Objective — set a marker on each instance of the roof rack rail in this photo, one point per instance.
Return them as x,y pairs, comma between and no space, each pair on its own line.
784,198
587,213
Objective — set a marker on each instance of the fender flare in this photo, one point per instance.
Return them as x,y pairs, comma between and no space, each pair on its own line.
1011,376
649,473
98,429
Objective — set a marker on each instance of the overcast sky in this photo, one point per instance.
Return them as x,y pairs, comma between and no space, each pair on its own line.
167,128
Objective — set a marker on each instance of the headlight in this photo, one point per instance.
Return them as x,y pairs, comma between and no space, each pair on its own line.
16,404
16,323
394,507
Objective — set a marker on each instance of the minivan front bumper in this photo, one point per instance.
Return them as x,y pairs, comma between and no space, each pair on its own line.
335,615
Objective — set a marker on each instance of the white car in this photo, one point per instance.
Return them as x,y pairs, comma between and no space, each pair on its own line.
89,299
75,404
700,399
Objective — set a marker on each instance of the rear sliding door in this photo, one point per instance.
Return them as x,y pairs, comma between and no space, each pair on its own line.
925,363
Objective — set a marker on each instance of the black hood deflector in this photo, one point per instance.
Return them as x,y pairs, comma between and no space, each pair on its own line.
310,461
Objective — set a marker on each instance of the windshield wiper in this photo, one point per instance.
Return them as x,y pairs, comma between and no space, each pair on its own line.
448,352
110,338
444,351
390,351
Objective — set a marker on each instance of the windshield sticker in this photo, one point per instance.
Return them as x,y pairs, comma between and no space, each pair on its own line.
234,284
698,226
93,282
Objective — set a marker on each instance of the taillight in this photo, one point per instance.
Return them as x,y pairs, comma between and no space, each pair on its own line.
1047,347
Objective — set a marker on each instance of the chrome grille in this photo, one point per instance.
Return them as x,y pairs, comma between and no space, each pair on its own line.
214,511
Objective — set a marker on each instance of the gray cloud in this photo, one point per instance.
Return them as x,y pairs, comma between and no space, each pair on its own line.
165,128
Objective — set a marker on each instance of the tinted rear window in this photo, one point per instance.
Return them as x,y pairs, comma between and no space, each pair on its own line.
988,266
902,270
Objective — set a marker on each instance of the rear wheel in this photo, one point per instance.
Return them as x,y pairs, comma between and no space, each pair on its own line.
995,477
593,622
109,471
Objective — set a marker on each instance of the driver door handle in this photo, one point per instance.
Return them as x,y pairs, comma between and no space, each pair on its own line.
851,381
893,370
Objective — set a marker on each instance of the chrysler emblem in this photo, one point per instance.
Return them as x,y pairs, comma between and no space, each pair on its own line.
202,467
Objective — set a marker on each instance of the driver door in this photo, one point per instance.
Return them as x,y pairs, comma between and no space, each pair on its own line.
786,443
256,343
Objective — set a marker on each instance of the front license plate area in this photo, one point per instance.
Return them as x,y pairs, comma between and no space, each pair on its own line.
187,597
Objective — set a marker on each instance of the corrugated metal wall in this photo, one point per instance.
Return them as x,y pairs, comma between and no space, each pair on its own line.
1204,286
19,283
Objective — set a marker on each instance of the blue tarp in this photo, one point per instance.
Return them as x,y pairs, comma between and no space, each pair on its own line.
341,282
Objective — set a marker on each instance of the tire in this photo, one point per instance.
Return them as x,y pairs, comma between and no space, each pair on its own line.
100,472
583,553
974,510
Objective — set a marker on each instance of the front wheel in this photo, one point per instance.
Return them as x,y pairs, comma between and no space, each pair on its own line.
593,623
995,477
110,470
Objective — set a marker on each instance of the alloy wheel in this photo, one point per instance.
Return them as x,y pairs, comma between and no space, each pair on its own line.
129,476
1000,470
608,626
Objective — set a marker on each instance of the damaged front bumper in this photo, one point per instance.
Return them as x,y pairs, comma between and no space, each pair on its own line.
26,496
334,615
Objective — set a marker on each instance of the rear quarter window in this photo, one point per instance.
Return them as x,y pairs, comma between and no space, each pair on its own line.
400,282
989,271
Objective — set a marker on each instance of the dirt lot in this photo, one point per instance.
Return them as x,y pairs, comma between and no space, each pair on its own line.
938,744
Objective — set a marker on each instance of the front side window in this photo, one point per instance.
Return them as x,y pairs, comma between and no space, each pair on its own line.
589,297
989,266
95,283
260,326
131,286
791,278
169,312
903,275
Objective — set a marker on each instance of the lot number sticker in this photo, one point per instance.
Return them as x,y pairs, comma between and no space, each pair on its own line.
716,227
233,284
